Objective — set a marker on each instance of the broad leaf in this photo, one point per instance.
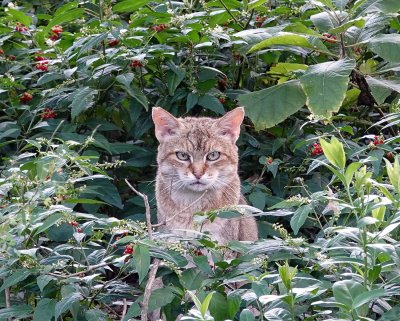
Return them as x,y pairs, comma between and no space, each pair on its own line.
15,278
44,310
346,291
382,88
299,217
326,84
66,303
283,39
83,99
386,46
141,257
270,106
246,315
160,298
129,5
16,311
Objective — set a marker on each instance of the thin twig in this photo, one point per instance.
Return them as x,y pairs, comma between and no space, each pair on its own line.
147,206
91,268
148,289
8,300
111,310
231,14
189,206
124,310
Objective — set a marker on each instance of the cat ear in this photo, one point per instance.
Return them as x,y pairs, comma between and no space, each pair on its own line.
166,124
229,124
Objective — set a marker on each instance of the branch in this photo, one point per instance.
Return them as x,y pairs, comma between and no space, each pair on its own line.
8,300
147,205
90,268
124,310
148,289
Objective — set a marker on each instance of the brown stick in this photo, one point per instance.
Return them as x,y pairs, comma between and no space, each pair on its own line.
124,310
8,300
148,289
91,268
156,263
147,206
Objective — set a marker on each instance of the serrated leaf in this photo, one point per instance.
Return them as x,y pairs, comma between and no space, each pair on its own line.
325,85
270,106
83,100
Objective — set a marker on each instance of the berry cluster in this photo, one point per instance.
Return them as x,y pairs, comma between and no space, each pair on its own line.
76,224
25,98
1,52
21,27
9,57
159,28
270,160
222,99
378,140
316,149
260,20
136,63
128,249
49,113
329,38
113,42
56,30
42,65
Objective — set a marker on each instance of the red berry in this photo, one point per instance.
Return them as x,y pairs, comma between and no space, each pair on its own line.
26,97
49,113
57,29
222,100
270,160
159,28
11,57
79,230
136,63
74,223
54,37
389,155
113,42
128,249
1,52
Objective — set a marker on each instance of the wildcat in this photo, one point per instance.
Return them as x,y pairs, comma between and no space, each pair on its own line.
197,171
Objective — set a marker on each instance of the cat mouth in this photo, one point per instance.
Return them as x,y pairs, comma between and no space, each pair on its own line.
197,184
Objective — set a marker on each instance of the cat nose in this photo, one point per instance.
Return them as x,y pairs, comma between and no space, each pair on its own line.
197,175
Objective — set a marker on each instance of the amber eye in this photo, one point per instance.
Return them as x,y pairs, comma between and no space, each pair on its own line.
182,156
213,156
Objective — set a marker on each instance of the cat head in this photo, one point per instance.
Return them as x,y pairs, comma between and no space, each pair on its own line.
198,154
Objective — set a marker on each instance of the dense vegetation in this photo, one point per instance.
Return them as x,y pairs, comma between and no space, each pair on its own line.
320,83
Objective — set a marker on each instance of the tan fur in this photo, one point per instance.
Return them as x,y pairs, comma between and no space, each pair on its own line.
186,187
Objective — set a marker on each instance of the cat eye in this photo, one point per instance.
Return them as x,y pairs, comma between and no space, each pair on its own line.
182,156
213,156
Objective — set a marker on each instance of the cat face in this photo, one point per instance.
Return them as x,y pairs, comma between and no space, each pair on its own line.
197,154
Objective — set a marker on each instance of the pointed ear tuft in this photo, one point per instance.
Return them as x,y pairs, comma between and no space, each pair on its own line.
229,124
166,124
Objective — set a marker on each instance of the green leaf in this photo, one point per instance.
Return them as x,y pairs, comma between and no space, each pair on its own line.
350,170
246,315
66,303
135,93
206,303
346,291
334,152
382,88
43,280
44,310
50,76
16,311
49,221
359,23
97,315
299,217
367,297
392,314
218,307
15,278
174,77
326,84
256,3
67,16
160,297
83,100
386,46
270,106
385,6
20,16
283,39
92,42
233,301
192,279
129,5
141,257
191,101
212,103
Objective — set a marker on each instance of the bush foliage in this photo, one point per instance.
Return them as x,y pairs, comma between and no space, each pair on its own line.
320,84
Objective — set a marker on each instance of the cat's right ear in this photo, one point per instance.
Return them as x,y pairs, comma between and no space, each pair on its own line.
166,124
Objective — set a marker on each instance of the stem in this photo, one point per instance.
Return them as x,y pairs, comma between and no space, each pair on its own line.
230,13
8,300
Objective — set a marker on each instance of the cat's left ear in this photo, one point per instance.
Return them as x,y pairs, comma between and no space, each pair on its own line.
229,124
